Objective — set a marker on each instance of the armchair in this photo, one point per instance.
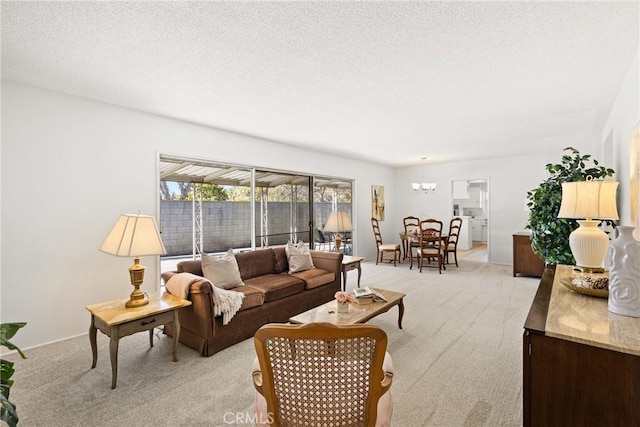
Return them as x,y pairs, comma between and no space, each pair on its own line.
322,374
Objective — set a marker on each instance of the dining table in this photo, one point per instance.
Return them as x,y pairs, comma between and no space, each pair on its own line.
414,236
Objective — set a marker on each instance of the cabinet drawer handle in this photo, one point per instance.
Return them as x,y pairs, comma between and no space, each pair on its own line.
143,323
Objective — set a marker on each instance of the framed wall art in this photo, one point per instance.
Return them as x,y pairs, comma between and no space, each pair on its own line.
377,202
634,168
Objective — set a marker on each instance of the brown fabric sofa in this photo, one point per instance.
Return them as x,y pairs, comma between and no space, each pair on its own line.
272,295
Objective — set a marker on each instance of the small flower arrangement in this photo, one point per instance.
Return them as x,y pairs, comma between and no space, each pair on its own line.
343,297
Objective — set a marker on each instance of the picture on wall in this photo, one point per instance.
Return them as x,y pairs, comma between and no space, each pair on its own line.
377,202
634,168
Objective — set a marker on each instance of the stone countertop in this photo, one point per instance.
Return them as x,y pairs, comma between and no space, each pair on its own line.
586,319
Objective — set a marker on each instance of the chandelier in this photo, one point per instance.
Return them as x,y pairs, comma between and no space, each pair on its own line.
426,187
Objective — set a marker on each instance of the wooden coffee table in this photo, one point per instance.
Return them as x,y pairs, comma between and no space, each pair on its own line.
358,313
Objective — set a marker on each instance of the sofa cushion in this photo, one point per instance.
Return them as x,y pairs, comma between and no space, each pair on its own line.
255,263
298,257
191,266
315,277
276,286
222,271
282,266
253,297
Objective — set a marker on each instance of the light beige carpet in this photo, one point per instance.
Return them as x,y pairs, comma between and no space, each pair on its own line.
457,361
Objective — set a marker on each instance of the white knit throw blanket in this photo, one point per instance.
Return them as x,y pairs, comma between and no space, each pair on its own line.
225,302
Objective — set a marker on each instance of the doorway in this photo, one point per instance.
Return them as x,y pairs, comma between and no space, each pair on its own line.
471,203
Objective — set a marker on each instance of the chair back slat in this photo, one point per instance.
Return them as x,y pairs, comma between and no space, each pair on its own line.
411,224
430,232
430,243
455,225
376,232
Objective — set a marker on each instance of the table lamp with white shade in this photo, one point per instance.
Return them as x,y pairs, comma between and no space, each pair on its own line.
338,222
134,236
589,202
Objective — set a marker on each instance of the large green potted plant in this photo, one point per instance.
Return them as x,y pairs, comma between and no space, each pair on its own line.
7,409
550,234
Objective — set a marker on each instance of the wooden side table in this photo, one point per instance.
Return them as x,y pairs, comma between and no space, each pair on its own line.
524,260
115,320
350,263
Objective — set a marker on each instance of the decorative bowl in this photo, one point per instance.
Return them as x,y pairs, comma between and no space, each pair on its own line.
592,284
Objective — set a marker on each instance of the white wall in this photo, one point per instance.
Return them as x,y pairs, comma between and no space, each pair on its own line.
509,181
625,115
70,166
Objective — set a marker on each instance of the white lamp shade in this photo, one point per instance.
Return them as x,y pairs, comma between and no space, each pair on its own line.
338,222
429,186
589,199
134,236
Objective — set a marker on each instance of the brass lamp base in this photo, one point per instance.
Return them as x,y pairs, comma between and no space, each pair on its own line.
137,297
338,242
589,270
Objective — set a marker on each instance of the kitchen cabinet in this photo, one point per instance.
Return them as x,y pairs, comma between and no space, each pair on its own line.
479,229
476,231
476,198
464,239
461,189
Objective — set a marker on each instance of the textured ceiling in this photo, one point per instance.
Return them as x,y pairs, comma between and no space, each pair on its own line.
382,81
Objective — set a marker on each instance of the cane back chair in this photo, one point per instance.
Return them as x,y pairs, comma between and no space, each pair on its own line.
320,374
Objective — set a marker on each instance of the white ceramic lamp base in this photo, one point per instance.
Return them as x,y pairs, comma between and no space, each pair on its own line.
589,245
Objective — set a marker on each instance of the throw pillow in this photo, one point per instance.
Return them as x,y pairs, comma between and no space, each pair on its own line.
222,271
299,257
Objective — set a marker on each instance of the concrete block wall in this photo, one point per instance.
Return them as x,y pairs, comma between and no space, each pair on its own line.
227,224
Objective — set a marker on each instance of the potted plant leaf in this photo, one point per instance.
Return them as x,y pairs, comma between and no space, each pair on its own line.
550,234
7,409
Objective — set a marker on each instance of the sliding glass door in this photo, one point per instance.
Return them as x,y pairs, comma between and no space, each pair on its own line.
211,207
332,195
282,208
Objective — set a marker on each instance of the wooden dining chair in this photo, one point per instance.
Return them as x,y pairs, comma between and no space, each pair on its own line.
320,374
381,248
431,244
411,225
455,225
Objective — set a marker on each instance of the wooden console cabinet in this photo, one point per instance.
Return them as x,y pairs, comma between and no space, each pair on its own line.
524,260
581,363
